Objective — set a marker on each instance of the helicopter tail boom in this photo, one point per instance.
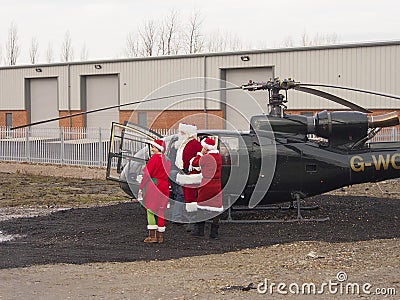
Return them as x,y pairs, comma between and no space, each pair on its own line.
386,120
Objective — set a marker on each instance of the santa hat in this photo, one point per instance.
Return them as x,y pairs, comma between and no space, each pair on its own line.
159,144
187,128
208,144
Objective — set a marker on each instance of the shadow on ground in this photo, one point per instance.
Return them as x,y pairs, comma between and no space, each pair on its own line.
115,233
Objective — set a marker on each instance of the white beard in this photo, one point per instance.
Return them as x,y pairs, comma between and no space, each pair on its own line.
180,144
181,139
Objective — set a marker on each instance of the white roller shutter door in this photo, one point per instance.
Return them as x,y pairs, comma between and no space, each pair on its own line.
44,101
239,104
102,91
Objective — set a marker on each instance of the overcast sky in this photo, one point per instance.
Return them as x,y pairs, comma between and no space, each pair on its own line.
103,26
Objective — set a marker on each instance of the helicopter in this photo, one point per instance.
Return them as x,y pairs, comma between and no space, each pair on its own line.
276,161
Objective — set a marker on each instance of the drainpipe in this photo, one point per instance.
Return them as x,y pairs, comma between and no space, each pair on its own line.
205,88
69,94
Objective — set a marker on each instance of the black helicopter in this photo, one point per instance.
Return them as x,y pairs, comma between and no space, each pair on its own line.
276,161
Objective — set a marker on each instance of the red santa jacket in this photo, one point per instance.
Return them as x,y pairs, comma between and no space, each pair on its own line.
186,152
155,183
209,193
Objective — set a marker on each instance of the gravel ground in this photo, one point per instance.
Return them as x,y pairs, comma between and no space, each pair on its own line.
78,236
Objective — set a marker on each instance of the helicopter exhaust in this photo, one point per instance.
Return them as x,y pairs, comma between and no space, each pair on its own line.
386,120
344,129
327,124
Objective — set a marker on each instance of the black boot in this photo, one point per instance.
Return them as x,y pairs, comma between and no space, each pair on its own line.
198,229
214,231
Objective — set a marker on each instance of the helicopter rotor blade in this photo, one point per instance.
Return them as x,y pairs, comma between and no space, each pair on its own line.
351,89
331,97
125,104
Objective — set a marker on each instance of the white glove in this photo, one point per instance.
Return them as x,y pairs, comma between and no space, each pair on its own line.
191,207
140,195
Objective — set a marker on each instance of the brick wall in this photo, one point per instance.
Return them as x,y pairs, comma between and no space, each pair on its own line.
171,118
155,119
78,121
19,117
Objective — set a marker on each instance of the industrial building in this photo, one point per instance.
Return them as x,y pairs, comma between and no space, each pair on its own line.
32,93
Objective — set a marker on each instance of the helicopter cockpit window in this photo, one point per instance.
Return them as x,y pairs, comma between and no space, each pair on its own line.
229,150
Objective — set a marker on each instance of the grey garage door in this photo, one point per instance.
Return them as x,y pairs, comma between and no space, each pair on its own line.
102,91
239,105
43,101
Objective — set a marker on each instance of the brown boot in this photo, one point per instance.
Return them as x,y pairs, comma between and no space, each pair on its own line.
160,237
160,234
152,238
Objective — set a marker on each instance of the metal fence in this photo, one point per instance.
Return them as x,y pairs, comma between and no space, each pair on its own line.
72,146
81,146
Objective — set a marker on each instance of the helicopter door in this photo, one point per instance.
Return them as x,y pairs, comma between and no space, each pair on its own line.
233,148
128,154
262,164
289,174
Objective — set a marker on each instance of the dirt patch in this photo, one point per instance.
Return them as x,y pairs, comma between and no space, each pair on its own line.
95,249
53,170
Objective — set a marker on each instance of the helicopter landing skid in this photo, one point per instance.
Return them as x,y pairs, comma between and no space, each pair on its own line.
299,218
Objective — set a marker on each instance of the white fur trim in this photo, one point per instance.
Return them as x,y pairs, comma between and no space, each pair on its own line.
161,229
161,148
185,179
191,206
178,160
152,227
191,168
209,147
213,151
187,128
210,208
179,153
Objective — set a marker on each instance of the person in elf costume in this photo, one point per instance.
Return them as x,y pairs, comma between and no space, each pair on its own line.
154,190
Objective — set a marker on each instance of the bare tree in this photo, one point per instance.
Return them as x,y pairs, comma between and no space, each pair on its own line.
195,40
325,39
67,53
288,42
33,50
49,53
319,39
84,53
168,35
305,40
148,36
12,46
132,45
219,42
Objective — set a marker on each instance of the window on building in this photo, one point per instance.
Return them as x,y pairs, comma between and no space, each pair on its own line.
142,119
8,119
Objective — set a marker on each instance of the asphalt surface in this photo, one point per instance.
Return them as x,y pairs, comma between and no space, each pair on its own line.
115,233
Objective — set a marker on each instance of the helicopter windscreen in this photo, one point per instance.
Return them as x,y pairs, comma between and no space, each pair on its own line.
132,172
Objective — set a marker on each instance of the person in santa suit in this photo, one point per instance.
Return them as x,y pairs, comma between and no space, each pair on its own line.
154,191
187,147
209,192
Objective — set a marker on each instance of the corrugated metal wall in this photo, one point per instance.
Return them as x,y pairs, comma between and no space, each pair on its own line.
365,66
